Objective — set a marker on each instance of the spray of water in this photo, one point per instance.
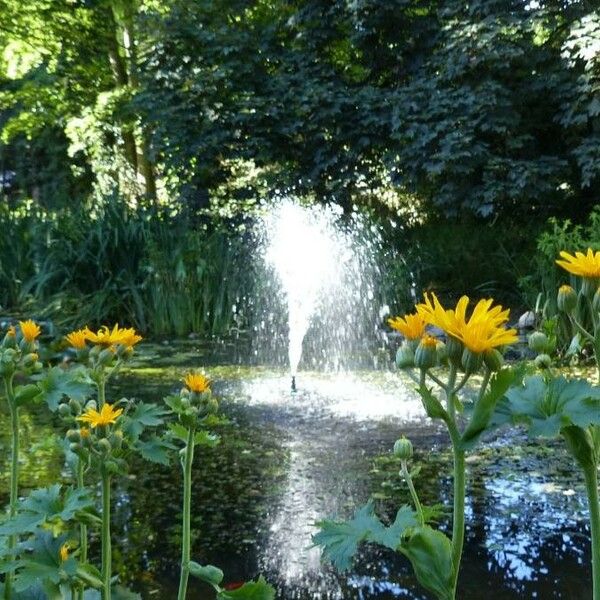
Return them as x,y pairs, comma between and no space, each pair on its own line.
321,280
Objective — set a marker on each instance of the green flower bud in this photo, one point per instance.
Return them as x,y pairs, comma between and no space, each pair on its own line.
74,447
104,447
37,367
73,435
106,357
426,354
471,361
64,410
566,299
493,360
543,361
442,353
403,448
405,357
454,348
29,360
538,342
75,406
91,405
589,286
116,439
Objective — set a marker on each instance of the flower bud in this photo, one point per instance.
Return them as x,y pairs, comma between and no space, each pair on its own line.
91,405
106,357
116,439
74,447
73,435
29,360
538,342
454,348
471,361
403,448
566,299
405,357
442,353
104,447
64,410
75,406
589,286
543,361
493,360
426,354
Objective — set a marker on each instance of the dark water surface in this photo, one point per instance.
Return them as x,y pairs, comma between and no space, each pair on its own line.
287,460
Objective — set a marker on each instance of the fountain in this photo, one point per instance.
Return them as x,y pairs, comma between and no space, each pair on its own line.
323,276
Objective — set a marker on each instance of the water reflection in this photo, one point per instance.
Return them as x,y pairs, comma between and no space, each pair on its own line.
288,460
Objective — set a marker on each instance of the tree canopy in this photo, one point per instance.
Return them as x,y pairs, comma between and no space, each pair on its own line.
489,107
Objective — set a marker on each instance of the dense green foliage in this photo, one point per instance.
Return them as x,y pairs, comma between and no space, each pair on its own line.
450,117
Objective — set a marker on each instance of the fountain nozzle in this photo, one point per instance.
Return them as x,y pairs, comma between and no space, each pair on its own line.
294,383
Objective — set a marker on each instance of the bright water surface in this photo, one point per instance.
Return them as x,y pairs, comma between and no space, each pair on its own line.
287,460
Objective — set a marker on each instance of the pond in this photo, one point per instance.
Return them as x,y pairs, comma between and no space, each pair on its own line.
289,459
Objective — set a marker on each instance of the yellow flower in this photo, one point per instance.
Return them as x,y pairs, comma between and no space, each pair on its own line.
107,337
77,339
565,289
106,416
483,330
584,265
411,327
12,332
84,432
197,382
64,552
30,330
429,341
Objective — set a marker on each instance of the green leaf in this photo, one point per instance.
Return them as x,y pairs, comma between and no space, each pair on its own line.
252,590
433,406
48,505
205,438
340,540
40,563
26,393
207,573
178,431
430,553
144,415
55,383
155,449
581,446
484,408
548,405
89,575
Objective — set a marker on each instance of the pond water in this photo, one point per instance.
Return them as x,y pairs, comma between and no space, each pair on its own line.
287,460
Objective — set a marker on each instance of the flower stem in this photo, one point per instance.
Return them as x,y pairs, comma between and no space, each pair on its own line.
187,501
14,474
83,541
413,492
106,542
458,514
591,483
101,391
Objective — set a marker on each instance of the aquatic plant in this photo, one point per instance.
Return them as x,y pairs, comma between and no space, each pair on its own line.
195,411
550,405
18,358
471,347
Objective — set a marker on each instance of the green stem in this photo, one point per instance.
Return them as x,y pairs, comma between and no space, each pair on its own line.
413,492
591,483
106,541
101,391
83,541
449,389
458,515
187,502
14,474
